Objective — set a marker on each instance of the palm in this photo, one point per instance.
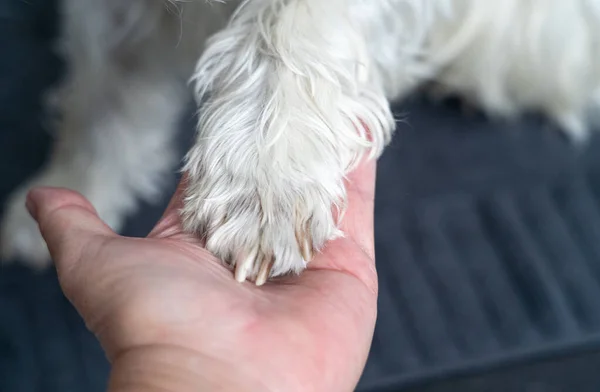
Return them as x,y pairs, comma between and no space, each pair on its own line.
319,322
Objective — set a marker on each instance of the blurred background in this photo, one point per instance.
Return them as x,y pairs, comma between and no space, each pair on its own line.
488,246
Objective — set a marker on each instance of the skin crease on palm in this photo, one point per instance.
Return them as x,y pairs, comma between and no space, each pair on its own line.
306,333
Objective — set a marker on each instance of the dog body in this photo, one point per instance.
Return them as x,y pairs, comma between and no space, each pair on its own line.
293,94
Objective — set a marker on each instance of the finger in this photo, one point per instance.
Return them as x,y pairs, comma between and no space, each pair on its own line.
357,222
354,254
170,224
176,201
68,223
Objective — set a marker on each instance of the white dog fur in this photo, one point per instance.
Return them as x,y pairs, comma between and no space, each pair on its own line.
292,95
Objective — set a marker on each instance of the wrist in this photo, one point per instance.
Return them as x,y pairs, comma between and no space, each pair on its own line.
172,369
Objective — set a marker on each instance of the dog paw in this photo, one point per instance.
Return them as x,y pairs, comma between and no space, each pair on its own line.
259,229
20,239
277,135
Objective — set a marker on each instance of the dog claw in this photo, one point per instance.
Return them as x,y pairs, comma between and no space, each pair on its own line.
241,273
304,240
265,270
306,249
244,265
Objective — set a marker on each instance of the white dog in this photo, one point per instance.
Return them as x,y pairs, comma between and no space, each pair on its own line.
293,94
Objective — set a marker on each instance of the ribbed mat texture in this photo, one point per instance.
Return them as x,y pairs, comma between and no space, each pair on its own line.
488,245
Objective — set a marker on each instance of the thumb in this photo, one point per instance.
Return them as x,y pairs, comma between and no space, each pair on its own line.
68,222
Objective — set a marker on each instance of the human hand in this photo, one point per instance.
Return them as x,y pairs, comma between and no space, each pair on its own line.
171,317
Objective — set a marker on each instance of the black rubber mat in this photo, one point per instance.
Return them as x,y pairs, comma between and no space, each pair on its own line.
487,245
488,248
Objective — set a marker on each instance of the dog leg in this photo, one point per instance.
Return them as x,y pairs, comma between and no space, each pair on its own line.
516,56
118,108
291,102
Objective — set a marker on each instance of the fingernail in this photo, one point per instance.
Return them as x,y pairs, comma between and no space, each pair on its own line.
31,204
